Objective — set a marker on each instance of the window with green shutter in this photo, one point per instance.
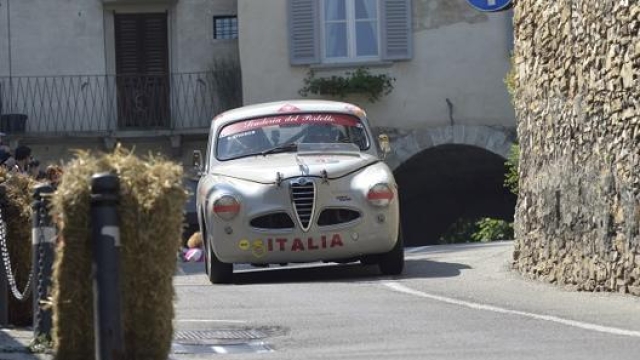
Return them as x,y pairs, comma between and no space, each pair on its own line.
349,31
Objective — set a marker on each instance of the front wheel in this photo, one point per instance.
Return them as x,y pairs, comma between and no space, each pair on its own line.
217,271
392,262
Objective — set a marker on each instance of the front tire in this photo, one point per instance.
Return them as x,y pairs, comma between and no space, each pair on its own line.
392,262
217,271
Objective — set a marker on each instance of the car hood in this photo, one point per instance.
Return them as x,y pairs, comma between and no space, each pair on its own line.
265,169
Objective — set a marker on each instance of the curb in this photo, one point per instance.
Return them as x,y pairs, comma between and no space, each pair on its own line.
14,345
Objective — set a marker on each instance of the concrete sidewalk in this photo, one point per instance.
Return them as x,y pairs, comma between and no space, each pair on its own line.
14,345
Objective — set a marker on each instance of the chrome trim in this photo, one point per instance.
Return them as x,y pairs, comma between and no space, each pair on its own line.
303,201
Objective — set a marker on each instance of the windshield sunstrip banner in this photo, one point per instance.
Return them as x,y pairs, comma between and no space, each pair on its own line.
295,119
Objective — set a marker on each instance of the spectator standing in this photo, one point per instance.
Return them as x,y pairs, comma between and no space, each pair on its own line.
7,160
4,155
35,171
23,156
53,174
5,151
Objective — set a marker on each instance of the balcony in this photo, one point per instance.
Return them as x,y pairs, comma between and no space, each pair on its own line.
138,2
86,105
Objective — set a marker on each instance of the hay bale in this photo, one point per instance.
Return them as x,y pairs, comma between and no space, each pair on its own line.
152,199
17,215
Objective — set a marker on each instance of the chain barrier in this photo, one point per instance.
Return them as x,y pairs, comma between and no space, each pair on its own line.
43,236
41,287
20,296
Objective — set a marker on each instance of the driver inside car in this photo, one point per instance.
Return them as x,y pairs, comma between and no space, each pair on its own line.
319,134
249,142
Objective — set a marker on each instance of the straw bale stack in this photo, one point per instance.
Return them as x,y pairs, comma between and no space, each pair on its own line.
152,199
16,213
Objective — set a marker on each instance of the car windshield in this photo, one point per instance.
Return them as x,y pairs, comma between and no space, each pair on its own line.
282,133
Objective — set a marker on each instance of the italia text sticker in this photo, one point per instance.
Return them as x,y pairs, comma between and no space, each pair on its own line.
261,247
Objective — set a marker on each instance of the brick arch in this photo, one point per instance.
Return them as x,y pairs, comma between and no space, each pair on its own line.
405,145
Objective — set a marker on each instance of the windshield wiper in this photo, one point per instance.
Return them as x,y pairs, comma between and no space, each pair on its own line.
281,148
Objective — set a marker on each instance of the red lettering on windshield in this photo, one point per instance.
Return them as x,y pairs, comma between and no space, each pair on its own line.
295,119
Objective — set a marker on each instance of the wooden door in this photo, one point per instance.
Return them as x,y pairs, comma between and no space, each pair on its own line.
142,70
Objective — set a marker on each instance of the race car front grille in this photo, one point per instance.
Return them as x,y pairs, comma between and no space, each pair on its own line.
278,220
337,216
303,195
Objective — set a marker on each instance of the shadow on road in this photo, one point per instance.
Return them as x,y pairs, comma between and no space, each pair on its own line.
422,268
414,268
293,274
190,268
355,272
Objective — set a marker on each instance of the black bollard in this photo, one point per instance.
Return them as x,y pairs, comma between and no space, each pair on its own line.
105,230
4,284
43,238
4,297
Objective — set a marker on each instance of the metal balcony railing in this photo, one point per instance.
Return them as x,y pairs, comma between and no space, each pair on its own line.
68,105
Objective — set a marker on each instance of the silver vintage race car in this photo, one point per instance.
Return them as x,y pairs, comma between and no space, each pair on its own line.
297,181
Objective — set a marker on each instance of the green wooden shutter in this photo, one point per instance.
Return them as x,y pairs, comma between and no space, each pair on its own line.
397,33
304,35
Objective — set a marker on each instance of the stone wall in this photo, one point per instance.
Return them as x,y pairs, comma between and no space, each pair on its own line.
577,99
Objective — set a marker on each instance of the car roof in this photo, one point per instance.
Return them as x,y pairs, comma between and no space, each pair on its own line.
288,107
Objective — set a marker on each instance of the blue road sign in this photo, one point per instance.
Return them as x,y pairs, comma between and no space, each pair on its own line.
490,5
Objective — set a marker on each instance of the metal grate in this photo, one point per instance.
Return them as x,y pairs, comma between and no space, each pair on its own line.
303,197
217,336
225,27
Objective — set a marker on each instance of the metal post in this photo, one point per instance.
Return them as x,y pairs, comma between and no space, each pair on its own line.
4,298
43,238
4,284
109,338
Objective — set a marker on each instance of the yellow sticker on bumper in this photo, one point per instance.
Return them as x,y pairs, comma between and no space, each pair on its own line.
244,245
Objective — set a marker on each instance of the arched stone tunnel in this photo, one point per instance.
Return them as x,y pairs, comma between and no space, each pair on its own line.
448,173
442,184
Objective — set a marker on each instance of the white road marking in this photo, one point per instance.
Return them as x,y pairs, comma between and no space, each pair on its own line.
477,306
211,321
219,349
416,249
448,248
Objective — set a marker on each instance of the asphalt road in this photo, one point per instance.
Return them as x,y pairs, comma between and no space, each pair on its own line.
453,302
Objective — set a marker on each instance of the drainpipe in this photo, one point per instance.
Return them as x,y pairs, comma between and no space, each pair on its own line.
10,57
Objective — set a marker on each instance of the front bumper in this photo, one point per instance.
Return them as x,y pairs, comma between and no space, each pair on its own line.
236,241
375,231
365,237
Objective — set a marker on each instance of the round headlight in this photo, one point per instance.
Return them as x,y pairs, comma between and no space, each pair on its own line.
226,207
380,195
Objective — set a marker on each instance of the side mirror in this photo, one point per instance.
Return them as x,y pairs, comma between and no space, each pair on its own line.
197,161
383,141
